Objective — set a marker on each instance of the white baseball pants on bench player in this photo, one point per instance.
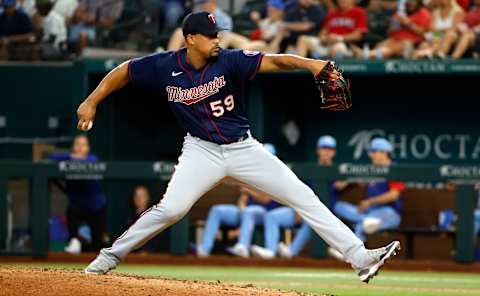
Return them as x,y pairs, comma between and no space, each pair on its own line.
203,164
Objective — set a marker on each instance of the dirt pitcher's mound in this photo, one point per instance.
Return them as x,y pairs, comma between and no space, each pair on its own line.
55,282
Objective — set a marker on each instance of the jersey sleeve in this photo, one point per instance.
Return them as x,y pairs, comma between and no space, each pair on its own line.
244,64
400,186
143,71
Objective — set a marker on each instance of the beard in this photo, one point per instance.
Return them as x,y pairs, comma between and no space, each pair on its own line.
213,55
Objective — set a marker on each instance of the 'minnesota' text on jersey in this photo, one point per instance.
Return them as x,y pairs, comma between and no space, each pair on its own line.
208,102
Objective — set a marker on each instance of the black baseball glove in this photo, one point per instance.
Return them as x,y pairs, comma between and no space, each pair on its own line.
335,93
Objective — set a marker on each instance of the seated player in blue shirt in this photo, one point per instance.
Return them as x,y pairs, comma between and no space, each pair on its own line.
86,201
380,209
250,210
287,218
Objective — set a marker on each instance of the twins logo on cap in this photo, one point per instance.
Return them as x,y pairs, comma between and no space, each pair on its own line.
211,17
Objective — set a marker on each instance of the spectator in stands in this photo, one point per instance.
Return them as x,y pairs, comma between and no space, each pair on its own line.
249,211
228,39
91,15
285,217
53,29
173,11
305,18
406,32
343,26
141,203
16,32
86,201
469,32
378,23
224,21
27,6
66,8
444,28
269,28
380,209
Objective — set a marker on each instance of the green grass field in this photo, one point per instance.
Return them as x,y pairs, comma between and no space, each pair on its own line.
336,282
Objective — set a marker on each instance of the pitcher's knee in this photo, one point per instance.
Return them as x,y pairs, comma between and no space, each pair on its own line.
172,213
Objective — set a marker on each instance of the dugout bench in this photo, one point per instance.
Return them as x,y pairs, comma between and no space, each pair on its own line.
40,173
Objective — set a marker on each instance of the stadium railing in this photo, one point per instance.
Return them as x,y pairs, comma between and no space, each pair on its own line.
39,173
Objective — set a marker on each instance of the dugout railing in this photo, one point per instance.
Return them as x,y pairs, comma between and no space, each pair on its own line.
39,175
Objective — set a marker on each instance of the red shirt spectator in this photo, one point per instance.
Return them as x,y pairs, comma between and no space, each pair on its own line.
465,4
472,19
421,18
345,22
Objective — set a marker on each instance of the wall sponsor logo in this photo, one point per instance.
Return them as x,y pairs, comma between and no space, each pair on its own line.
362,170
82,170
163,167
460,171
415,67
420,146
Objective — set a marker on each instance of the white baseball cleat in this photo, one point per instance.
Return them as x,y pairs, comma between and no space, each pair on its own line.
239,250
100,265
284,251
263,253
379,256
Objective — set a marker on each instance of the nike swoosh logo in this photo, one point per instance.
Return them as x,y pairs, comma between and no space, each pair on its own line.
176,73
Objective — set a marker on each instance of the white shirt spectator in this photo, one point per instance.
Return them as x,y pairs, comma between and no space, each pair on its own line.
54,27
65,8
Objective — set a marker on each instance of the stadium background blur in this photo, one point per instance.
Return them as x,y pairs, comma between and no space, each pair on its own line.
423,99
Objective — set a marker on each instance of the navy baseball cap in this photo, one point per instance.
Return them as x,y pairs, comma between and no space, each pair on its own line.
200,23
327,142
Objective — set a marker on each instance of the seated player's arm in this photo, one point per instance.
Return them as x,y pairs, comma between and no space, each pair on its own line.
115,80
279,62
260,197
385,198
242,200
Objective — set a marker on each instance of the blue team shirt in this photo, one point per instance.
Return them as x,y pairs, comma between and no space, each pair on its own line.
377,188
208,102
82,194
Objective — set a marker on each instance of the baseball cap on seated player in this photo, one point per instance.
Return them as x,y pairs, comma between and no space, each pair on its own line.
380,144
200,23
271,148
327,142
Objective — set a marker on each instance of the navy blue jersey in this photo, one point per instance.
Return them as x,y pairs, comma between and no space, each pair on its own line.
208,102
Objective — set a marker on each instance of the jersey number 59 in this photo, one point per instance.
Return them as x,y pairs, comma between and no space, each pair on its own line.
218,107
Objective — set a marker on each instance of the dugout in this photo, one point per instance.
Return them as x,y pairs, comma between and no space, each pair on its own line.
419,105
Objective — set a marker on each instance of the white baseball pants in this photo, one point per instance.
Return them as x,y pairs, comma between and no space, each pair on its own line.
203,164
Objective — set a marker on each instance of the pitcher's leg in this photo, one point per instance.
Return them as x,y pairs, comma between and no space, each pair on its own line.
187,184
348,212
267,173
219,214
